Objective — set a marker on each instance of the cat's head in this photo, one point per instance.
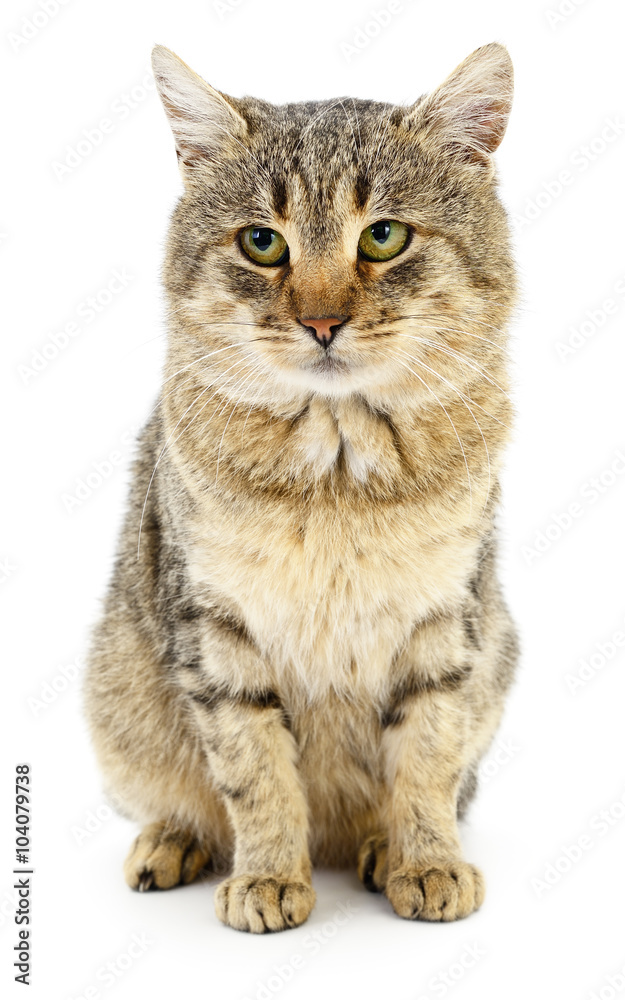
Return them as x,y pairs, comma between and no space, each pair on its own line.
339,246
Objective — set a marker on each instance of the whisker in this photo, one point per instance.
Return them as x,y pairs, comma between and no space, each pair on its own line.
165,446
373,162
462,397
203,358
202,408
469,319
256,370
474,319
423,382
473,402
162,397
449,351
214,322
358,127
324,111
206,371
464,333
351,127
252,405
449,329
159,336
231,389
236,403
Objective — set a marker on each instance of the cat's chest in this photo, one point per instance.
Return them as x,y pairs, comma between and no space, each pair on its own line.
330,582
329,594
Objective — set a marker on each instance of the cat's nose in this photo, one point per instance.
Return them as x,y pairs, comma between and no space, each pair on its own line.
323,328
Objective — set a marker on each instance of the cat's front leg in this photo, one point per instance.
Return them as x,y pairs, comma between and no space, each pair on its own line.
252,757
425,750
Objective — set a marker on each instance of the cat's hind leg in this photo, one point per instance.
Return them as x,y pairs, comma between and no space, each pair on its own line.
162,857
373,862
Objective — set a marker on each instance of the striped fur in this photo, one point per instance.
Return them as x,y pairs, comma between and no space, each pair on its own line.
304,651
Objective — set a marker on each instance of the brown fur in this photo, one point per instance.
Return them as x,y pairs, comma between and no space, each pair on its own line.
304,651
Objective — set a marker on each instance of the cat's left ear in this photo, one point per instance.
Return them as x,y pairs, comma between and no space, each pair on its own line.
205,125
468,114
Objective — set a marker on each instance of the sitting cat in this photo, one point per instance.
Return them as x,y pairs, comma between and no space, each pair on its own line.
304,651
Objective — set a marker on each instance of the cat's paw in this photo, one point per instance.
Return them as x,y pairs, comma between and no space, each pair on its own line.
161,858
447,891
263,903
372,862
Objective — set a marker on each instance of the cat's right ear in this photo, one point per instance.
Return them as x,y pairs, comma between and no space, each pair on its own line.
205,125
466,117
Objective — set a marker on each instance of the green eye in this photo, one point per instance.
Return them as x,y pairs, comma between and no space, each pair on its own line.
383,240
264,246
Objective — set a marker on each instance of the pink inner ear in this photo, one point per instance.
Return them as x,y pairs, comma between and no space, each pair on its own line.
469,125
486,121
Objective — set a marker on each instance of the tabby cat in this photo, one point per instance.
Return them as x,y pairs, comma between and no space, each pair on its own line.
304,651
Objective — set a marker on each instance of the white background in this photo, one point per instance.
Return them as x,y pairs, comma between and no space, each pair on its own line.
61,240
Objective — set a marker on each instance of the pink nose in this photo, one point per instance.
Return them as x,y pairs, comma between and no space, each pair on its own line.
323,328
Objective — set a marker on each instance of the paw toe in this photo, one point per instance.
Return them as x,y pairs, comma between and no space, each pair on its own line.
161,858
260,904
443,892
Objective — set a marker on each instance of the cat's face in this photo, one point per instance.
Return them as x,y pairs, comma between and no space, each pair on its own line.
340,246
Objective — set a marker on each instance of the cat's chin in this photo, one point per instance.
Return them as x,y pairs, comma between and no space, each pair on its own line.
331,377
330,367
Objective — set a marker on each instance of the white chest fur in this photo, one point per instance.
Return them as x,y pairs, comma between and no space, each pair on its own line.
332,604
330,593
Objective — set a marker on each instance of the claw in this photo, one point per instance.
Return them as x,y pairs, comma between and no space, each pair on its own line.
146,882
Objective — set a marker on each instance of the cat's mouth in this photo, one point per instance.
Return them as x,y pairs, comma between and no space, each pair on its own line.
329,365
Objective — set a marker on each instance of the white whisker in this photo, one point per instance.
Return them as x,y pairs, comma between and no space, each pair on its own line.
351,127
449,351
239,385
423,382
312,122
372,162
423,321
469,399
463,398
166,445
162,398
358,127
203,358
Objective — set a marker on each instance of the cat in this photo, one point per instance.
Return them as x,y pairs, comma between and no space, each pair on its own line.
304,650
